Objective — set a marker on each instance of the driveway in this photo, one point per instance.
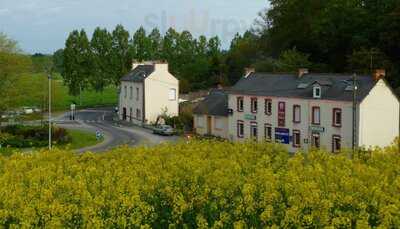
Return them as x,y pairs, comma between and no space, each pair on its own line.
115,133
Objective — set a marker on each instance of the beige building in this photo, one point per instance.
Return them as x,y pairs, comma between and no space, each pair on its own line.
210,116
313,110
148,91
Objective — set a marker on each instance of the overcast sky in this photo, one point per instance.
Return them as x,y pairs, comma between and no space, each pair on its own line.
43,25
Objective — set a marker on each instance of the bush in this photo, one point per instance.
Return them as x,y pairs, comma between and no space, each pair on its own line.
20,136
200,184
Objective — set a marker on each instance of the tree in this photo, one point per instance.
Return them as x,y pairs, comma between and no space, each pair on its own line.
8,45
155,40
58,61
12,64
291,60
140,45
121,58
101,59
77,62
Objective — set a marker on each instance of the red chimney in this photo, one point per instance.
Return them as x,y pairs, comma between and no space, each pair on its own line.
379,74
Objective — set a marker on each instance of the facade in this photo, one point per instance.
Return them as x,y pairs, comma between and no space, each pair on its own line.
148,91
211,115
306,110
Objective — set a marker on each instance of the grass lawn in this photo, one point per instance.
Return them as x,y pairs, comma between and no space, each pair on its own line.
82,139
32,90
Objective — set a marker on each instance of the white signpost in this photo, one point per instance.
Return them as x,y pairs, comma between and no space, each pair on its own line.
73,107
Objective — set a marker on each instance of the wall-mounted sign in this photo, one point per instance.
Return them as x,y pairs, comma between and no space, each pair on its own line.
282,135
250,117
317,129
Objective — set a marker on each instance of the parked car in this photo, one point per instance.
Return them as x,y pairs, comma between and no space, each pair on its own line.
27,110
164,130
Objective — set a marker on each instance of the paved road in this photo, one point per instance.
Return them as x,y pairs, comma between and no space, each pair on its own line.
115,133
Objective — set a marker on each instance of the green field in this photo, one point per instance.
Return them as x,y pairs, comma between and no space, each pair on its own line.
32,90
82,139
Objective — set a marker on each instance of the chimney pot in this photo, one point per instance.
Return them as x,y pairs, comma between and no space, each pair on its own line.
379,74
302,72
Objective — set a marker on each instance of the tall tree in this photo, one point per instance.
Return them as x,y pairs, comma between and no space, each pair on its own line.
77,62
155,40
101,59
140,45
121,59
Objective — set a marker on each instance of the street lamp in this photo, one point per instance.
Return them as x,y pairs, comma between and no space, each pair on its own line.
49,77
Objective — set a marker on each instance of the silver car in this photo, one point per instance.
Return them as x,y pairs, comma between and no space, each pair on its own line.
164,130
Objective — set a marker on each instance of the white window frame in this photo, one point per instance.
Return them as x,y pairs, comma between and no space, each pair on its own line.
240,129
172,94
296,113
317,88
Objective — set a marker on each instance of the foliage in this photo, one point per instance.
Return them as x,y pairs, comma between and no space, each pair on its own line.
41,63
12,63
8,45
201,184
337,35
19,136
196,62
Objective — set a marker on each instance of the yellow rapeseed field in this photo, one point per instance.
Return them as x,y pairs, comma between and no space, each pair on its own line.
202,184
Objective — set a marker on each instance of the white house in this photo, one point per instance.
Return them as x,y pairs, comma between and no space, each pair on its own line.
313,110
148,91
211,115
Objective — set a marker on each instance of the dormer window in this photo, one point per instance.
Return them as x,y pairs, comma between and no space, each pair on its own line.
317,91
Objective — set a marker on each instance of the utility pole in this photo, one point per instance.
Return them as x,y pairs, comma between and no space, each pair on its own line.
354,112
49,110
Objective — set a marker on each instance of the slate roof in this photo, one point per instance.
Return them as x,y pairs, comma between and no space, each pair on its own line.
333,86
215,103
138,74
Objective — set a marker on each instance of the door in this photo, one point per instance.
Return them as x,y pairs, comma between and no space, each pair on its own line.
316,140
209,125
124,114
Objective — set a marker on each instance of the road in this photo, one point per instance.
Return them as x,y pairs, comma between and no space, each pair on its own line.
116,134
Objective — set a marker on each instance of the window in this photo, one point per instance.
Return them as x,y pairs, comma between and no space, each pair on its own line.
281,114
296,113
268,132
316,140
172,94
218,123
317,91
336,143
337,117
125,91
296,138
240,129
137,93
138,114
253,130
316,116
268,106
254,105
131,92
239,104
200,122
130,114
